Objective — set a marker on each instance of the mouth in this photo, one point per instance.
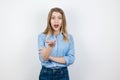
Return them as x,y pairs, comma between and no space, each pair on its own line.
56,25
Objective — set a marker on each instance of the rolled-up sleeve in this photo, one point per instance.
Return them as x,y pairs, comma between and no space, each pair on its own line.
70,57
40,41
41,45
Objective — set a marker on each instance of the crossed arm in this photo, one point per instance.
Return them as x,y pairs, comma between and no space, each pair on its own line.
45,52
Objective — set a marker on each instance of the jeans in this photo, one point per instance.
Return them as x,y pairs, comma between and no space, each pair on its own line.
54,74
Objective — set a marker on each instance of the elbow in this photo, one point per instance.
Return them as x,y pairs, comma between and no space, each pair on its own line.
43,59
69,60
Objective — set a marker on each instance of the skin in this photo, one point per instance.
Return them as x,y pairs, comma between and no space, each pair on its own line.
56,22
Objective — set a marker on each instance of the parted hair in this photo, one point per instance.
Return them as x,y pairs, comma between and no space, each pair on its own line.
49,31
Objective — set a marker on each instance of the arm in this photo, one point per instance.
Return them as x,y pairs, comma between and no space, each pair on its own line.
57,59
69,58
45,52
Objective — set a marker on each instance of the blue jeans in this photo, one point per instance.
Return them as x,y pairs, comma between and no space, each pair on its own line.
54,74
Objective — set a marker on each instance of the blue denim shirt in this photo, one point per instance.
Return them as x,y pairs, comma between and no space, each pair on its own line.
61,49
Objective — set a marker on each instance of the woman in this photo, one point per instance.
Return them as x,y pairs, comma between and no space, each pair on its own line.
56,47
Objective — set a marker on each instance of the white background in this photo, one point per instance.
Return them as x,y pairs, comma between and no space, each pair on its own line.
94,24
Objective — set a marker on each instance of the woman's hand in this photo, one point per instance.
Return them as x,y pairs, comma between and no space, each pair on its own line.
51,43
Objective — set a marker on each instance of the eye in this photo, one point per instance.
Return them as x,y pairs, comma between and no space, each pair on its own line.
52,17
59,17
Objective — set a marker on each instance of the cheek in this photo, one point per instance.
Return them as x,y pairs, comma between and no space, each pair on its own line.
51,22
61,22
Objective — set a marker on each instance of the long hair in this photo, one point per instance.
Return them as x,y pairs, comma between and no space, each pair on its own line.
48,31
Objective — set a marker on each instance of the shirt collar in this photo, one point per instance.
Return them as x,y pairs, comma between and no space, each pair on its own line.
60,35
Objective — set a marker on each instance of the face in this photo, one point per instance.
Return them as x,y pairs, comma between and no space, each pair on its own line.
56,21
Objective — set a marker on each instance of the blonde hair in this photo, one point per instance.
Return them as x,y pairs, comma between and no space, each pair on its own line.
48,31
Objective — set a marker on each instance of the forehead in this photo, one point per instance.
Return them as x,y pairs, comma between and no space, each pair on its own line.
56,14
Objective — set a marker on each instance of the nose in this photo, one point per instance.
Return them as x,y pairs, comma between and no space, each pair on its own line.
56,21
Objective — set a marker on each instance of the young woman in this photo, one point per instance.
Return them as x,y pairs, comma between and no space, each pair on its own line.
56,47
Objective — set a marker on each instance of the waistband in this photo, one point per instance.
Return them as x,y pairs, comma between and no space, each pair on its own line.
62,68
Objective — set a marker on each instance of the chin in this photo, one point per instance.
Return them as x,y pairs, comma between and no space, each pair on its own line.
56,29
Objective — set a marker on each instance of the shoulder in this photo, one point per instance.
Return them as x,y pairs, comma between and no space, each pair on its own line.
70,36
41,35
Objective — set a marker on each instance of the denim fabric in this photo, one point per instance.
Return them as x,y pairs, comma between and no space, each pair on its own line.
54,74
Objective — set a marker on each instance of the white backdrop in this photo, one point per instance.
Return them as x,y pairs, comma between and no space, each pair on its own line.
94,24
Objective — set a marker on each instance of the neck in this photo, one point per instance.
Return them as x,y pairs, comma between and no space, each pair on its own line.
56,33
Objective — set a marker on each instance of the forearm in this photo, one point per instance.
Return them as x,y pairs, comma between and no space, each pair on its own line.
57,59
46,52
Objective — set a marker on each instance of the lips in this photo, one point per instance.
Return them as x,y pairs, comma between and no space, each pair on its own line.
56,25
